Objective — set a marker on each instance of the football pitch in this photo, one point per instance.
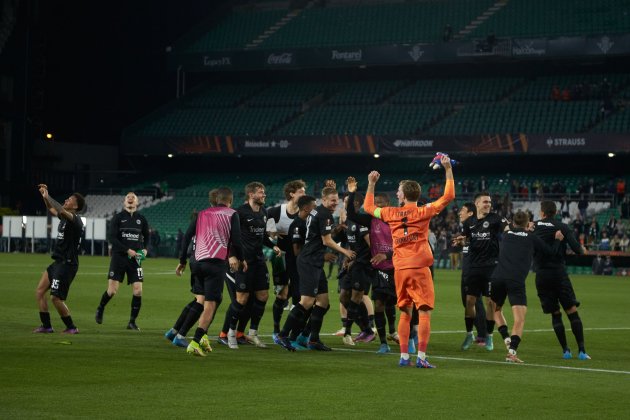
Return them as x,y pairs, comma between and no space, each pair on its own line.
107,371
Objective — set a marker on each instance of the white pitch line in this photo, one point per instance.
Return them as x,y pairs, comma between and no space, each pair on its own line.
527,331
494,362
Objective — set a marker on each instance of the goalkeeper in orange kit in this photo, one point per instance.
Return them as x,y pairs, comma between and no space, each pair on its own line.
412,255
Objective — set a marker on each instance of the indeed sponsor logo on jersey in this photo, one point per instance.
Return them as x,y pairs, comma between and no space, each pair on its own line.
545,224
413,143
410,238
481,235
257,230
518,233
132,236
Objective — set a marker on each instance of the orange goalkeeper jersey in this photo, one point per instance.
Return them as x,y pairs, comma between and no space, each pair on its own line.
410,227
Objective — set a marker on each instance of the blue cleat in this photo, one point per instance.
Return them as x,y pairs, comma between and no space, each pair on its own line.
412,346
468,341
424,364
170,335
489,342
284,342
180,342
275,337
298,347
222,340
567,354
384,349
404,363
584,356
302,340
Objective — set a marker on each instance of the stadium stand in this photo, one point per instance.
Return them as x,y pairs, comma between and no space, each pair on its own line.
100,205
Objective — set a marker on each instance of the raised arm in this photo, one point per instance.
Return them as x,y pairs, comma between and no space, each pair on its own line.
449,188
368,203
53,205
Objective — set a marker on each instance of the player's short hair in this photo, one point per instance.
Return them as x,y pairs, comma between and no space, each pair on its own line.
224,195
481,194
520,219
548,208
292,186
304,201
80,201
470,206
383,196
326,191
252,187
411,189
212,196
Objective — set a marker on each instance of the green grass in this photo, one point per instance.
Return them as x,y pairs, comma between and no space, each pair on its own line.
109,372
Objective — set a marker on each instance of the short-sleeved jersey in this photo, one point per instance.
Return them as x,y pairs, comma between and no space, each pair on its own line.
69,233
128,231
283,222
546,229
297,232
410,228
356,233
517,251
318,223
253,231
484,235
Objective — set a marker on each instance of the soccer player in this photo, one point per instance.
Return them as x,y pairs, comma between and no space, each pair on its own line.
283,216
508,278
253,219
381,252
552,281
297,232
177,334
129,237
313,282
217,233
412,256
360,275
59,275
465,212
482,232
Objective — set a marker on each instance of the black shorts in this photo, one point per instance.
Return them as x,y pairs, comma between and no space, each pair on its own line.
514,290
254,279
477,281
230,284
554,290
60,276
312,280
212,275
384,286
343,280
196,282
361,277
119,266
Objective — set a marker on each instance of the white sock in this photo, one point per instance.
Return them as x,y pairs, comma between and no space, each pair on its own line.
512,352
252,332
180,336
404,356
422,355
231,333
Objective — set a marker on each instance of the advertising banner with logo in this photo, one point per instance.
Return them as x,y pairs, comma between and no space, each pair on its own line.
322,145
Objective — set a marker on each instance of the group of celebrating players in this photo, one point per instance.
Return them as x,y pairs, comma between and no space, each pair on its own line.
388,252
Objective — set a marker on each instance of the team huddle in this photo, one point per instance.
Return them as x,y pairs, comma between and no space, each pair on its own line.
388,254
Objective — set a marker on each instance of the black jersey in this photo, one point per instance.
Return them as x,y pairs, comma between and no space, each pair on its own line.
69,233
355,234
483,235
545,230
283,222
465,260
517,252
318,223
297,232
253,232
128,231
